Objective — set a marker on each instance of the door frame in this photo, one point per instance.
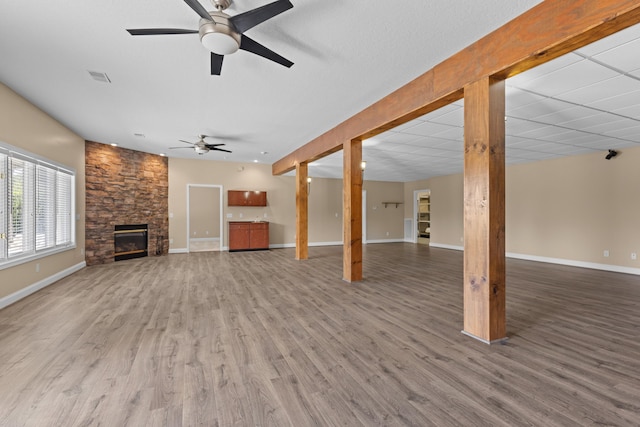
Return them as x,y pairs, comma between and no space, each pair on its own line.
415,212
189,213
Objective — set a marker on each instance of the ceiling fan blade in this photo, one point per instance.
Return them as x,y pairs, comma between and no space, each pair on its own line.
199,9
216,64
256,16
221,149
173,148
187,142
159,31
213,145
253,46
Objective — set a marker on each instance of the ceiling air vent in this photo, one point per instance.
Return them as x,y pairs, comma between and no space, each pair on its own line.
101,77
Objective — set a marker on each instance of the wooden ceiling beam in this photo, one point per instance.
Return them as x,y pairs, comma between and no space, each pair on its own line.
545,32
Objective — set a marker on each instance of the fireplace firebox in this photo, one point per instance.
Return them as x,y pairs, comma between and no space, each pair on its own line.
130,241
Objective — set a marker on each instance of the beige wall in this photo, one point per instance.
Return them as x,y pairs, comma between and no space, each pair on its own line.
25,126
325,202
571,208
384,222
204,212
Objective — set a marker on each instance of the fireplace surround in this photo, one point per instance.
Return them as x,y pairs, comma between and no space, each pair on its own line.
130,241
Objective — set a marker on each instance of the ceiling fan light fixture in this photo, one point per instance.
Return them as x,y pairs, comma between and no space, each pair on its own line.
218,36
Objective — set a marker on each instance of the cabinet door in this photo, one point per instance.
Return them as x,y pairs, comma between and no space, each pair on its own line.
259,235
239,236
237,198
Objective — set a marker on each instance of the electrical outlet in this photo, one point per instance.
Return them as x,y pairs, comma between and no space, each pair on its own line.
240,214
634,256
387,233
206,232
170,241
606,253
229,215
37,267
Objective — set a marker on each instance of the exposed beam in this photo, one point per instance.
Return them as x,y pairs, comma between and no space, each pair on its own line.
302,212
484,210
352,211
548,30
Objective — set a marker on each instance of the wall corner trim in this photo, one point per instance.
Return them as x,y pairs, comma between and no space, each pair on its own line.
25,292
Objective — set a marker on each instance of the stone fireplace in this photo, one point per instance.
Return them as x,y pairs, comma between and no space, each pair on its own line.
124,187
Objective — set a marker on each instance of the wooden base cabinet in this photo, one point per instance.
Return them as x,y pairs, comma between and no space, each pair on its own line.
248,236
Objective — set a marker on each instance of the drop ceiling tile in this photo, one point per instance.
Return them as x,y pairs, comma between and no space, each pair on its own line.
574,113
580,138
515,126
617,102
616,123
516,98
408,125
453,118
543,132
430,142
612,41
594,119
624,57
441,112
630,133
454,133
397,137
605,89
569,78
539,108
631,111
523,80
519,142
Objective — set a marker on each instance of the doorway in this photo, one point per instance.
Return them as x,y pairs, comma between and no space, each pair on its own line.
422,216
205,230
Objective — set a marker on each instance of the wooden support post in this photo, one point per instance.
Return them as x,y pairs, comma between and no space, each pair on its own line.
352,211
484,210
302,212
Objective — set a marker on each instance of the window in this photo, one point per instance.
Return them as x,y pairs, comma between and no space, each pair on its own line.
36,206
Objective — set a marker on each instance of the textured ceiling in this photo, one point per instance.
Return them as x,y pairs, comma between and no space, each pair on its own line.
347,55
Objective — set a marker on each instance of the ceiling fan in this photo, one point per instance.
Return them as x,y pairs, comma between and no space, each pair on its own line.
222,34
202,147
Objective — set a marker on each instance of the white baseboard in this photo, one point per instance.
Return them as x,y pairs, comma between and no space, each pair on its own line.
385,241
443,246
178,251
25,292
573,263
559,261
293,245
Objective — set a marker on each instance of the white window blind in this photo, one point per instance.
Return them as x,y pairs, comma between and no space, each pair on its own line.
64,208
21,203
45,207
3,206
37,206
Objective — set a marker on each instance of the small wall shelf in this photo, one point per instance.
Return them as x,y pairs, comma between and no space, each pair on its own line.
392,203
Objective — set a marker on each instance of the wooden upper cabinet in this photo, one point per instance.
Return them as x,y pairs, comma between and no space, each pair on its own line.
246,198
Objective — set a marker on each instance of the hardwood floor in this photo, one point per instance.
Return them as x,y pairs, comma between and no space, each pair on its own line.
259,339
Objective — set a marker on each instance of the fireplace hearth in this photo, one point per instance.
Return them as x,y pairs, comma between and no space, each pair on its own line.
130,241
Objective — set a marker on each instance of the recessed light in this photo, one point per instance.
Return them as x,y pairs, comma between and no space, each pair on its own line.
162,154
114,144
255,161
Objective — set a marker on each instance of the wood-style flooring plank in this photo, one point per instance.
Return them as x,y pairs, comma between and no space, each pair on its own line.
260,339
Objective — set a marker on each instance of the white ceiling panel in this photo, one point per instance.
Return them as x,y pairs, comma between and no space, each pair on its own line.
624,57
605,89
